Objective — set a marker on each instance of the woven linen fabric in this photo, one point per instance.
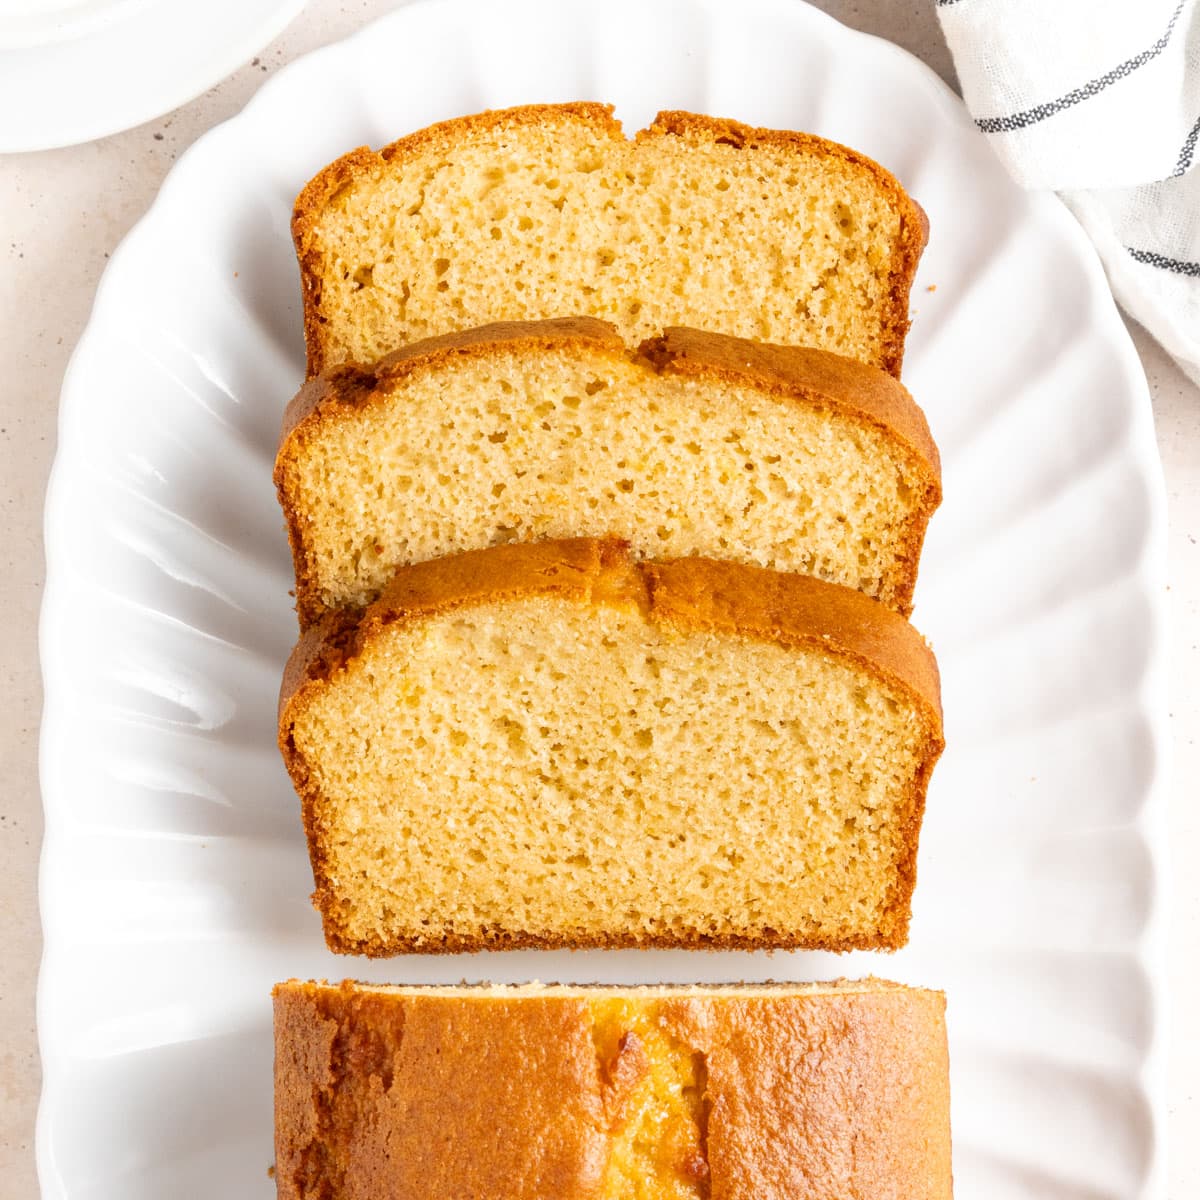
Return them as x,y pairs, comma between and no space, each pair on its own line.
1099,100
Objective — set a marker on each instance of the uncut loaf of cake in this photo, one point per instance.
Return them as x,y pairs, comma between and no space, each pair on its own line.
696,443
552,744
550,211
767,1092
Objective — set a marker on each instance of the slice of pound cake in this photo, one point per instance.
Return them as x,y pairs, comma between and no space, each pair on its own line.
794,459
764,1092
551,744
550,211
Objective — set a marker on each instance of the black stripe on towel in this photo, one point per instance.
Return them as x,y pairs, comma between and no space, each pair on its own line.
1189,149
1031,116
1178,266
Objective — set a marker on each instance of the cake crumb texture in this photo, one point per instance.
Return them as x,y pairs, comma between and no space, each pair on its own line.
695,443
550,743
550,211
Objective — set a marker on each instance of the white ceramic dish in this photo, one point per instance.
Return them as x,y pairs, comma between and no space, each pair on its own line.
175,879
74,70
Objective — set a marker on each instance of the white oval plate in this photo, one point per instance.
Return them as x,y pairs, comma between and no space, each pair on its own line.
175,878
74,70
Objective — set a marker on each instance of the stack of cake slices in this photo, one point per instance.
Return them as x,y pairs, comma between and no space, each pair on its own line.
606,506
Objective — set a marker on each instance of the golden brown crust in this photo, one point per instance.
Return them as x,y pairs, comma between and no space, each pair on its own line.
796,611
357,164
815,378
690,593
317,193
802,373
893,937
443,1117
855,391
348,385
866,1115
362,162
406,1091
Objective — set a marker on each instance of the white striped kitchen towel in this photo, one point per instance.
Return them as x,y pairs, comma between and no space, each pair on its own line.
1100,100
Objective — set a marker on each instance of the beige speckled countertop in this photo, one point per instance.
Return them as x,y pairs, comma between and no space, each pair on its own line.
62,213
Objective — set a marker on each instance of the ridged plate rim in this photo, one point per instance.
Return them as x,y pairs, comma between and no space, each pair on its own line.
60,607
